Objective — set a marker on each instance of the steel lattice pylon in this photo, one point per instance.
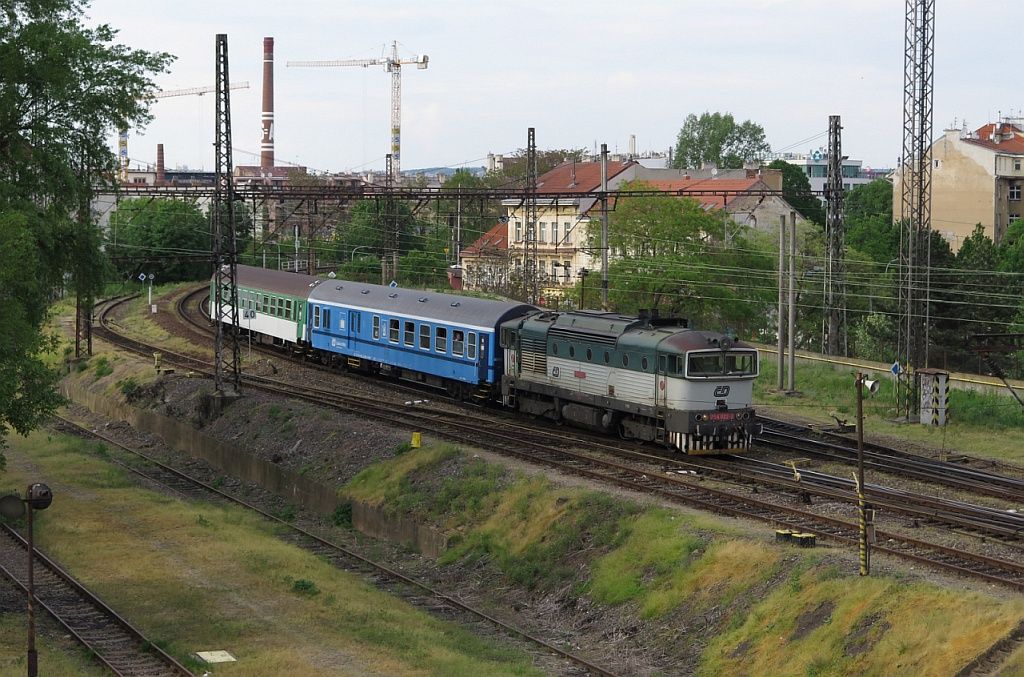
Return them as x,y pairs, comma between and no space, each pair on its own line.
530,206
835,292
916,178
225,274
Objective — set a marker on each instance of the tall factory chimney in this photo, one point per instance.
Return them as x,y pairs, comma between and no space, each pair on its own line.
160,164
267,144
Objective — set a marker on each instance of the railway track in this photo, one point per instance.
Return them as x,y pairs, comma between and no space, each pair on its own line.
658,475
114,641
793,438
435,602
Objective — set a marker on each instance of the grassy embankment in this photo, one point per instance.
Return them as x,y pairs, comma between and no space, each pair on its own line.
779,610
980,424
197,576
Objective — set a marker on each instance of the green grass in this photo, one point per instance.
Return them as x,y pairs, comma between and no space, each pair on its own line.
198,575
654,549
973,417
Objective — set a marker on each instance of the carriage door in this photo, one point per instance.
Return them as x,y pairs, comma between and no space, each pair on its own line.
353,328
661,383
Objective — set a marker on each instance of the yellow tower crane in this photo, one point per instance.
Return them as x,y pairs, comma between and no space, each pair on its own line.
122,137
393,64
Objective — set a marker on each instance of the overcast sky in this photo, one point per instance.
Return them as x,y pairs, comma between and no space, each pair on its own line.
579,72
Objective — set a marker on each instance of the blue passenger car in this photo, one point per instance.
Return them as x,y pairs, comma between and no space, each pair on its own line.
440,339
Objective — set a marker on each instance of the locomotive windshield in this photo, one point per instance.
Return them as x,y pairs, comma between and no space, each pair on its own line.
722,363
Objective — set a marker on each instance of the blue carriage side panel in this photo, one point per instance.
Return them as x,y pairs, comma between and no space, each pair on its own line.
443,335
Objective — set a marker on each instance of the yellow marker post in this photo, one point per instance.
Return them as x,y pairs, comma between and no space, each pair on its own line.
416,440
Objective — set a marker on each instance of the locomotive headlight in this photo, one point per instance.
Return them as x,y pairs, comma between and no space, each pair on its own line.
698,417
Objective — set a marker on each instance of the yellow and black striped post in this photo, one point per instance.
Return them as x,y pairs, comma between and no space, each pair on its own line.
858,479
865,556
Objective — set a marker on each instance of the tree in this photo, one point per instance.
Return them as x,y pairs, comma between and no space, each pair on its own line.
796,189
514,167
65,88
368,223
869,225
716,138
169,238
655,225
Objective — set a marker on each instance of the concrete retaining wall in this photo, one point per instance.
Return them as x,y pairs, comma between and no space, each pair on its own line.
237,462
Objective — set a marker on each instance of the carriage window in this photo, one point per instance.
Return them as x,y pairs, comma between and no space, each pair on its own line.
458,342
424,337
644,363
471,346
590,355
410,333
316,317
554,347
625,360
572,351
393,330
441,339
376,326
327,318
607,357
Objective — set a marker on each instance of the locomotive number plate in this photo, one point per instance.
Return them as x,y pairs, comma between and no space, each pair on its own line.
721,416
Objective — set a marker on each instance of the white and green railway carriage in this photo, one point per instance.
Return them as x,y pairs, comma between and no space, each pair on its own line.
645,377
271,304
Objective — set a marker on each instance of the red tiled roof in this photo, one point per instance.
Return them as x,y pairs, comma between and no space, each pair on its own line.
492,242
1013,144
682,187
577,177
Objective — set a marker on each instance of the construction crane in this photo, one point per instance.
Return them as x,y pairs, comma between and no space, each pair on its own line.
392,64
122,137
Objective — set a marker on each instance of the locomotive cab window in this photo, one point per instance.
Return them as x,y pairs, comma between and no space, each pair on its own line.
441,339
410,333
662,364
393,330
722,364
458,342
471,346
376,326
424,337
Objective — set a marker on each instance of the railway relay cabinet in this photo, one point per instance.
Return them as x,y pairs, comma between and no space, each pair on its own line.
933,384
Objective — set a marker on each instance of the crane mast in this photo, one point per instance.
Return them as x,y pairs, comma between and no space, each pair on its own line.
392,64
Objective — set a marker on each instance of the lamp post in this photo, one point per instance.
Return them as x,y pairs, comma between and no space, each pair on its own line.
865,523
583,287
37,497
362,246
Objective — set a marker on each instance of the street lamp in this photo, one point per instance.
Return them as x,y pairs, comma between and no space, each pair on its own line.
865,556
583,287
37,497
362,246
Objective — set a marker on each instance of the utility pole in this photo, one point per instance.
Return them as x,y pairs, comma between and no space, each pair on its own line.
227,354
389,255
835,299
530,204
915,206
791,334
782,302
604,226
